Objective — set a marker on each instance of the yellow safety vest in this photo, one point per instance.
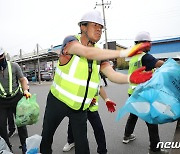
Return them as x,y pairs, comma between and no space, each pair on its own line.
134,64
10,93
74,84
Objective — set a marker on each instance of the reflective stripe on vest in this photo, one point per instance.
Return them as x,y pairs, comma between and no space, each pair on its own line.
11,93
134,64
70,82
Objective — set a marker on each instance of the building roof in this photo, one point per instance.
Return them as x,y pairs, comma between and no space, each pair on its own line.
166,48
56,49
166,40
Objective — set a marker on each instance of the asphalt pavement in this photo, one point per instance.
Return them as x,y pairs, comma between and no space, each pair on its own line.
114,130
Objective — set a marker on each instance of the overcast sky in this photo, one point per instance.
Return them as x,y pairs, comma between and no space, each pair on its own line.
24,23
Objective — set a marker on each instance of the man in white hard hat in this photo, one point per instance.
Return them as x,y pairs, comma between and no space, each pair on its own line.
76,81
10,93
143,59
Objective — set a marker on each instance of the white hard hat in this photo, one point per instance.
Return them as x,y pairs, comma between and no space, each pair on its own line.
143,36
92,16
1,51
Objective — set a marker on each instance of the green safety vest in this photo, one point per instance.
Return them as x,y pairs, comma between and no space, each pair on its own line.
71,84
134,64
10,93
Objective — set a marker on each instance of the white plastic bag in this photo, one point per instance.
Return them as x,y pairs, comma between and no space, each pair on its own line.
33,143
5,152
3,145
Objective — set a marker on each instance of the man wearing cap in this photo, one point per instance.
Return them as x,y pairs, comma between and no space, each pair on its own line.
76,81
10,93
150,62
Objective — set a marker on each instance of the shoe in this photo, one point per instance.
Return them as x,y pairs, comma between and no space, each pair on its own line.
128,139
162,151
11,133
68,147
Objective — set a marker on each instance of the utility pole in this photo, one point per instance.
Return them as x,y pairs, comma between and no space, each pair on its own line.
53,71
104,5
38,61
20,55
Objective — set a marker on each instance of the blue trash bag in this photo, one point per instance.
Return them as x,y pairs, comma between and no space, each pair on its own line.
33,151
157,101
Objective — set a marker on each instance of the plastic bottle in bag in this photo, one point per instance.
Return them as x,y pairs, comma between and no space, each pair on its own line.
33,143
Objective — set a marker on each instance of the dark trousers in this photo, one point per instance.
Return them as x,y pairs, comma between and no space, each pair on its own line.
152,129
10,104
99,134
11,124
54,113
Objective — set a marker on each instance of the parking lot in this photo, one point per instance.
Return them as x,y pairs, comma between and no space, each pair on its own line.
33,75
114,130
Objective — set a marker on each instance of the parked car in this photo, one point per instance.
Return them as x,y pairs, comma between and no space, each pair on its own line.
44,75
29,75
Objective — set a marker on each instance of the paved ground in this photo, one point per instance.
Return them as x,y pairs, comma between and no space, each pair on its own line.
114,130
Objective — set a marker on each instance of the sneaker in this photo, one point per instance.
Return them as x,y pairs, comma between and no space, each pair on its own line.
68,147
128,139
11,133
162,151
